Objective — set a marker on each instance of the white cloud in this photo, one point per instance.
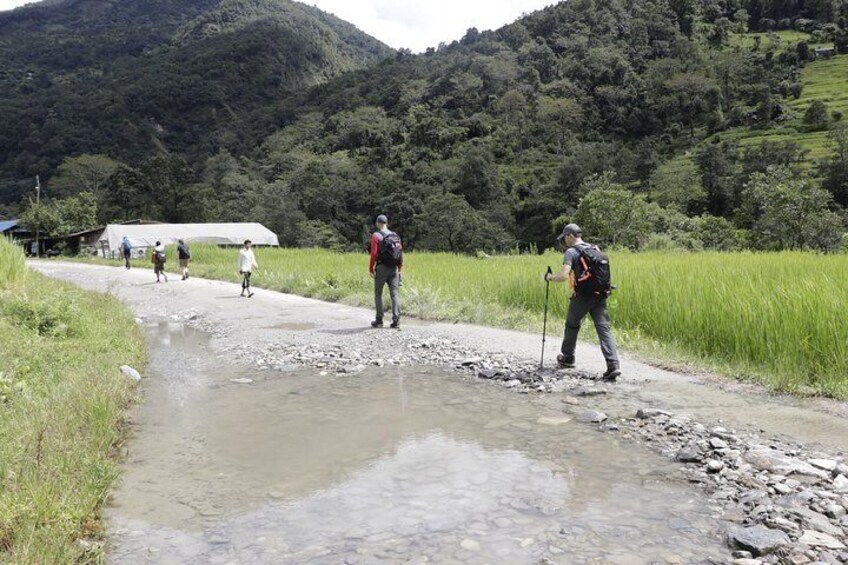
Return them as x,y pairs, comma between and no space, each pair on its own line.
414,24
9,4
417,25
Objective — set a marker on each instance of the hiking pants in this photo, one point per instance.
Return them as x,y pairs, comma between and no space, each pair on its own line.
126,260
245,282
578,307
386,275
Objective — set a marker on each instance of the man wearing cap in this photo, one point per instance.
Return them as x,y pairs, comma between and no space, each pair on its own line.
580,305
384,271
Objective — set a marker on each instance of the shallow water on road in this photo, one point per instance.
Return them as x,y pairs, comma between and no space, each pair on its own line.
390,465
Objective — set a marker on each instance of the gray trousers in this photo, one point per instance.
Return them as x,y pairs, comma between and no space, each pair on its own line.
384,275
578,307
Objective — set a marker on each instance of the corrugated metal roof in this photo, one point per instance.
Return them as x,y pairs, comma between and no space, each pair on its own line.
6,225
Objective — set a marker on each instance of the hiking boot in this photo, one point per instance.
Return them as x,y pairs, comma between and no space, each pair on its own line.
395,324
611,374
565,362
250,295
377,324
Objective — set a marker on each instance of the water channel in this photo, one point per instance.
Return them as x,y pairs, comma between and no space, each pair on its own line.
393,465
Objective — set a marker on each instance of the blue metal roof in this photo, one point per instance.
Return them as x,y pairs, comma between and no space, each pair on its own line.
6,225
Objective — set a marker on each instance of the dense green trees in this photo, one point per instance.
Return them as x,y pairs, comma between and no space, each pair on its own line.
609,112
62,217
128,79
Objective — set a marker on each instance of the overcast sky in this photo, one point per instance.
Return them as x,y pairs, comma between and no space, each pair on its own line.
414,24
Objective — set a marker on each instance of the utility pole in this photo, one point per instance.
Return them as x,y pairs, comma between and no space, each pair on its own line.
37,207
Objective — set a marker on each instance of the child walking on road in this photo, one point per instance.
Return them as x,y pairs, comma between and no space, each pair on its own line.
247,262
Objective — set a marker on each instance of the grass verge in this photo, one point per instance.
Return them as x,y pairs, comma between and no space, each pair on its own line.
773,318
61,403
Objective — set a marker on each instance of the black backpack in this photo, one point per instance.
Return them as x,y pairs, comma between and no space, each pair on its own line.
391,250
592,276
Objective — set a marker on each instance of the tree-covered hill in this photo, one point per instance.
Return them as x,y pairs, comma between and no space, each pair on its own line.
625,115
130,78
481,143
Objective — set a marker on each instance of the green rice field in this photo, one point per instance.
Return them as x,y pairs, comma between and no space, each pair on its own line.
776,318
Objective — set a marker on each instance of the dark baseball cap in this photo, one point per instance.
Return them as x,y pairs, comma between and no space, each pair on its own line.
382,219
570,229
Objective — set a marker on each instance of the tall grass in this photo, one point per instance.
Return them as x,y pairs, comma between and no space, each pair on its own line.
12,264
61,403
777,318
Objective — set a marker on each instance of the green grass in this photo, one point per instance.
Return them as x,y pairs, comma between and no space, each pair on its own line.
775,318
61,403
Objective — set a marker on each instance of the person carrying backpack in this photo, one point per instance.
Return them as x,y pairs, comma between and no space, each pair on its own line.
184,254
158,259
385,268
126,247
588,270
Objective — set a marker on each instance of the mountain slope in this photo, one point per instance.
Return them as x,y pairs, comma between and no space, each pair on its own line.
125,78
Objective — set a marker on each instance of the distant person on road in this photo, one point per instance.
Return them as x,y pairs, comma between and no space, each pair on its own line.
588,271
247,262
184,256
385,268
126,248
158,258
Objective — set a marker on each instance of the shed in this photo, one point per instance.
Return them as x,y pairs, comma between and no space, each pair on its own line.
220,234
88,241
7,226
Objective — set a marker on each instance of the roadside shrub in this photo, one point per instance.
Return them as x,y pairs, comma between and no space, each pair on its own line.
44,318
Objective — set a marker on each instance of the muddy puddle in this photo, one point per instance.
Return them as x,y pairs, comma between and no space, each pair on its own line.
389,466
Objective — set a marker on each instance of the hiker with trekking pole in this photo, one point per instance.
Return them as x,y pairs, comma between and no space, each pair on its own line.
587,268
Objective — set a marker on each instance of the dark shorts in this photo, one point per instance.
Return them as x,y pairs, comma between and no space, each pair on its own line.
183,263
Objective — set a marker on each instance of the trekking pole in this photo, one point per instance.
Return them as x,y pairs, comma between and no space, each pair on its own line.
545,322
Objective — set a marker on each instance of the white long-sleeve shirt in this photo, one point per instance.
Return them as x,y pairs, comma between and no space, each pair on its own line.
247,261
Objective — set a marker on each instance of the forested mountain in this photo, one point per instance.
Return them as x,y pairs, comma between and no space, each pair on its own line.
129,78
634,117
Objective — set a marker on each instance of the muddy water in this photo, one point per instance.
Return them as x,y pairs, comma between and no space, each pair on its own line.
390,466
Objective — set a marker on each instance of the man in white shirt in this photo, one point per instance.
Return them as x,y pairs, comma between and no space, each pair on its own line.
247,262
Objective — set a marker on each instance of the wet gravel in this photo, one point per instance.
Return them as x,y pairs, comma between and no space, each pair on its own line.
781,503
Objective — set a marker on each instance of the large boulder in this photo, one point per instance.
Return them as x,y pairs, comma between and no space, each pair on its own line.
759,540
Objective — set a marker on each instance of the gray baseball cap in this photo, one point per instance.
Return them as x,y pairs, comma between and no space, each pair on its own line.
570,229
382,219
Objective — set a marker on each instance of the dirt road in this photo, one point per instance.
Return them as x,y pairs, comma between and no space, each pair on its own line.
282,429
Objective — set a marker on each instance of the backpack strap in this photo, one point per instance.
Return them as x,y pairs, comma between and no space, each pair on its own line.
586,274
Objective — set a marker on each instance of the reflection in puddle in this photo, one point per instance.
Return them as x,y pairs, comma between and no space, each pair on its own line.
388,466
